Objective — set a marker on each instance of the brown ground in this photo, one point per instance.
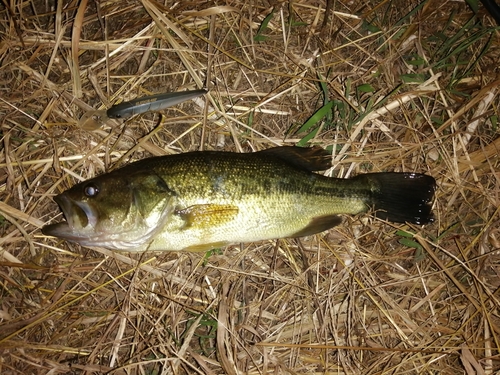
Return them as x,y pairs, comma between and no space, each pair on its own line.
414,88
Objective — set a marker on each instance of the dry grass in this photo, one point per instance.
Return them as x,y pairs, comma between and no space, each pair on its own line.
414,88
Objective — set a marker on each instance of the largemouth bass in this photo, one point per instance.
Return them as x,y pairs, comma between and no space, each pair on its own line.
201,200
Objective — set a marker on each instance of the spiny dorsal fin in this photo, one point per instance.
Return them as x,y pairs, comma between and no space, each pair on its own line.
310,158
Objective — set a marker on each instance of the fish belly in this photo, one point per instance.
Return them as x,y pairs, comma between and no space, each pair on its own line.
273,217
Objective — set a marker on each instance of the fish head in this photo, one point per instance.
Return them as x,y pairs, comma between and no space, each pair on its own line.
115,211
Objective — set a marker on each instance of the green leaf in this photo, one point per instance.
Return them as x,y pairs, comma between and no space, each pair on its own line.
260,38
365,88
209,253
413,78
347,90
307,138
250,118
416,60
340,107
474,5
316,117
370,27
494,122
411,13
403,233
410,243
437,120
262,28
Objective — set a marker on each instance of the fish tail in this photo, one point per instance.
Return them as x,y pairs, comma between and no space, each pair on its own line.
401,197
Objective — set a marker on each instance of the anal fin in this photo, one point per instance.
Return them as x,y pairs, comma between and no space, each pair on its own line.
319,224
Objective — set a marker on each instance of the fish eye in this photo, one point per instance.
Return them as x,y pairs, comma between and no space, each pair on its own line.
91,190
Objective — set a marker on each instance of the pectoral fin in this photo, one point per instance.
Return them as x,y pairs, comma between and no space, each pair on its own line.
207,215
319,224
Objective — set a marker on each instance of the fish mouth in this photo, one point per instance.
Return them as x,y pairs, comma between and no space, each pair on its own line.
78,217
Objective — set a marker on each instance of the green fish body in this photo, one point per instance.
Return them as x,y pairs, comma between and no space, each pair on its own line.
200,200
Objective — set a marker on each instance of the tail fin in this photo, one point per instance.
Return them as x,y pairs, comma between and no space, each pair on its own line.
402,197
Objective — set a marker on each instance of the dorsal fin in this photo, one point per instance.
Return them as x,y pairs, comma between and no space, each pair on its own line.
310,158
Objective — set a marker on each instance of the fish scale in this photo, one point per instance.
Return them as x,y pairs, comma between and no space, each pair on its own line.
200,200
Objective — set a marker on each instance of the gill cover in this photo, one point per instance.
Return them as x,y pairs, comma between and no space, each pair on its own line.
114,211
